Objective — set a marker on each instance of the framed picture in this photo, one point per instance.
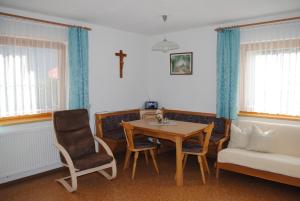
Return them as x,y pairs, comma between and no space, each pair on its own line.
181,63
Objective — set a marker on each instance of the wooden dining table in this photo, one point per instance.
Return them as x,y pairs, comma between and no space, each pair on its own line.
176,131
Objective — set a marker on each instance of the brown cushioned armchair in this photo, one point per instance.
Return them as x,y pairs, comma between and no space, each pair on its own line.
76,145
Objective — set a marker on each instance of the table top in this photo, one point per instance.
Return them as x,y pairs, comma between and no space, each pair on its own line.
181,128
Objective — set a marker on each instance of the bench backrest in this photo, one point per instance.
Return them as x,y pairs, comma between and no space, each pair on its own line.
110,123
220,124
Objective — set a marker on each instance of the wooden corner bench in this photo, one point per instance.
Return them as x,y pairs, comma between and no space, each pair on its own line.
108,127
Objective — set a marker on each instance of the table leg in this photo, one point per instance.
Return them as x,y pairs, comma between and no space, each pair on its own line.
179,172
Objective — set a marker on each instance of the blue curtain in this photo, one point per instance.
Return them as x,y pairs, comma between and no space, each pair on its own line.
228,59
78,73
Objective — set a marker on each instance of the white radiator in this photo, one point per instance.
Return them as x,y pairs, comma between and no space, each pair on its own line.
26,150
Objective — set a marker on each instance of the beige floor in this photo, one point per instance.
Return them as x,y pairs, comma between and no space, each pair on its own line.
149,186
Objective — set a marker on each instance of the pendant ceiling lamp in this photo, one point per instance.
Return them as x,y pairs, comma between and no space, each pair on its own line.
165,45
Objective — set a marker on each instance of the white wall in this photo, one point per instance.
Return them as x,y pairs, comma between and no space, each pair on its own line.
107,90
195,92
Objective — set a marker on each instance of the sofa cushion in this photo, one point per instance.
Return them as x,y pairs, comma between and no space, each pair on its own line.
239,138
261,141
286,140
276,163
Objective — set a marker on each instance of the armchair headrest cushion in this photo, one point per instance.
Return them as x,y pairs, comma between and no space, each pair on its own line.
73,132
69,120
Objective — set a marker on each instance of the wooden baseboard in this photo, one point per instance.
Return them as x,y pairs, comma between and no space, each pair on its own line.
260,174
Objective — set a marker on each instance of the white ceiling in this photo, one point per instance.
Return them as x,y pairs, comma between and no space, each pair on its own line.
144,16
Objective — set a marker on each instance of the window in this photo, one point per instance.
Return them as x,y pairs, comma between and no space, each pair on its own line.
32,70
270,77
31,76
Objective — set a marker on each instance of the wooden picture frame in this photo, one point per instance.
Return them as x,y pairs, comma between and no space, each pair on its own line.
181,63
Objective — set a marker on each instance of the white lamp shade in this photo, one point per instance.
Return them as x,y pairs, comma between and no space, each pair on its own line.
165,46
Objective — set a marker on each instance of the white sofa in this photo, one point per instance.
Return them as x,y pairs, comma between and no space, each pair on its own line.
281,163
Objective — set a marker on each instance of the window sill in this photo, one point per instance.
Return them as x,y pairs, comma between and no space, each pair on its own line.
7,121
269,116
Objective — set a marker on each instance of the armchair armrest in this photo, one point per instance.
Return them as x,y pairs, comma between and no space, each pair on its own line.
104,145
66,155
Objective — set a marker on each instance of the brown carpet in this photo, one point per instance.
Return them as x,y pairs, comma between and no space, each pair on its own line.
149,186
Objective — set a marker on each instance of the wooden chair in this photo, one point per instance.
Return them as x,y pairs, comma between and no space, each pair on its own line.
137,147
198,149
76,145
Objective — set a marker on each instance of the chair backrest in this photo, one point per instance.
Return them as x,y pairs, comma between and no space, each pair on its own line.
208,131
128,130
73,132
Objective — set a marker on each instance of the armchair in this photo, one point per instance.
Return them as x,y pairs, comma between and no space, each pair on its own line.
76,144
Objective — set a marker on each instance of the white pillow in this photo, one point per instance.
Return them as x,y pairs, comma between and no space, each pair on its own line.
239,138
261,141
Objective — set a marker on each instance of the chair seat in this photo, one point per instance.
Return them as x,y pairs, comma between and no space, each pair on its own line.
91,160
216,137
143,144
192,147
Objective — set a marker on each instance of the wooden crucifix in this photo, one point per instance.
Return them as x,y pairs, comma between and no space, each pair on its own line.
121,55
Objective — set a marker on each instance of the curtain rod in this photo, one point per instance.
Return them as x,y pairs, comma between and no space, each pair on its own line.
43,21
258,23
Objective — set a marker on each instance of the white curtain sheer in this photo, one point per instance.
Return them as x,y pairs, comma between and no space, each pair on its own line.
270,69
32,67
